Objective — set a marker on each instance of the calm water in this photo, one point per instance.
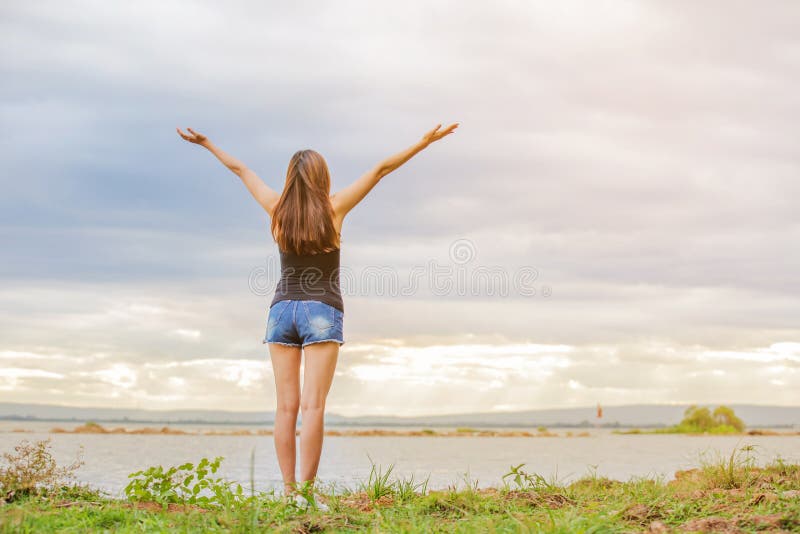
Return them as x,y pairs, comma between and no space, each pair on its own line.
346,460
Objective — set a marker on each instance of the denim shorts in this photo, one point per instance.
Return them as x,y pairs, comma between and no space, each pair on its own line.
298,323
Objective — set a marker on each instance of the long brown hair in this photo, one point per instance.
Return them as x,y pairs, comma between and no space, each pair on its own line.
302,222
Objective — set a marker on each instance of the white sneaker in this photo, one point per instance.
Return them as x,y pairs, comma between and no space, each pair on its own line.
303,503
300,501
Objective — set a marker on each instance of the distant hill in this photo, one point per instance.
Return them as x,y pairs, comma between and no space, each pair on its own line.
635,415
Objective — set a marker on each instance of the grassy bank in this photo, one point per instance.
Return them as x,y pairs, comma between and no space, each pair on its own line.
728,495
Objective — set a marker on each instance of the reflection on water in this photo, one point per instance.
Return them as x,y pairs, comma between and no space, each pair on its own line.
346,460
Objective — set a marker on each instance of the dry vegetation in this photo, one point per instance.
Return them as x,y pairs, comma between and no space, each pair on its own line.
94,428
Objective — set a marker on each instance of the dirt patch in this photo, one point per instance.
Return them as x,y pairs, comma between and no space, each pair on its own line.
657,527
362,502
686,475
761,479
640,513
549,500
766,521
71,504
599,482
721,525
171,507
763,497
729,525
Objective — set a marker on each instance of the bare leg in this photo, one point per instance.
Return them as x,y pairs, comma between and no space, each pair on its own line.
286,368
320,364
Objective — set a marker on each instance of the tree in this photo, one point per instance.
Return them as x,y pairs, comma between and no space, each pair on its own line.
697,419
723,420
725,416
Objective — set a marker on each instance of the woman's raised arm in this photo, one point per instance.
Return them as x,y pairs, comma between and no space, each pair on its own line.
346,199
265,195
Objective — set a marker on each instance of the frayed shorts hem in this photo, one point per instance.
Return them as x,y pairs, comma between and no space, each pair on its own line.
281,343
339,341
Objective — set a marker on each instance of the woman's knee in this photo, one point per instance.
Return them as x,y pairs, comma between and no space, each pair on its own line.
288,406
312,402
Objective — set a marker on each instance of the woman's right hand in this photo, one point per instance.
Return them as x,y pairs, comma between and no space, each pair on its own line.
196,138
437,133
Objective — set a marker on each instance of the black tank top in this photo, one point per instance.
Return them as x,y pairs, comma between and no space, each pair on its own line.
310,277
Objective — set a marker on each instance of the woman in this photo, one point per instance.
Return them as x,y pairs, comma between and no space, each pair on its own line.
307,311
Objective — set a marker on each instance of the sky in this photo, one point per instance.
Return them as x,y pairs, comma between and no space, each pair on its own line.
614,221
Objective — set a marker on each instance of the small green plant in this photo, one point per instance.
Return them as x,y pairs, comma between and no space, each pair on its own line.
407,489
378,484
731,472
470,485
184,484
31,469
465,429
526,481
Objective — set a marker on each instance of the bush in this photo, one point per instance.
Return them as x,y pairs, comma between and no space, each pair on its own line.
31,469
699,420
186,484
724,416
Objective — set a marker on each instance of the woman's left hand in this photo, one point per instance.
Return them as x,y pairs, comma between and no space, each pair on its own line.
196,138
437,133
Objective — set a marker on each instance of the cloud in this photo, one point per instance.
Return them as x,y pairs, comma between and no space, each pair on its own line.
641,158
409,380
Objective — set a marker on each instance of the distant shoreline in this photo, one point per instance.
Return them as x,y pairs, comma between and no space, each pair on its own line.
643,416
94,428
269,422
8,421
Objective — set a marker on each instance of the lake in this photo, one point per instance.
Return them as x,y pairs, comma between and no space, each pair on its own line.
109,458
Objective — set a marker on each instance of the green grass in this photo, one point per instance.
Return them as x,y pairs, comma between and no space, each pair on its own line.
723,493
